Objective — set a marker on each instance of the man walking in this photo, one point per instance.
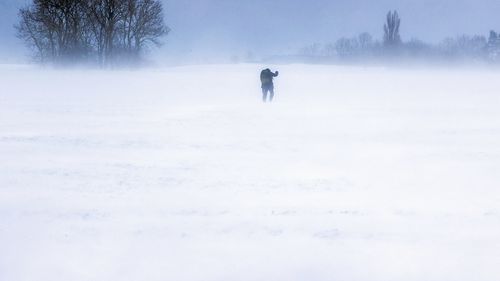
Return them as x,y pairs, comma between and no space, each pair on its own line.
266,78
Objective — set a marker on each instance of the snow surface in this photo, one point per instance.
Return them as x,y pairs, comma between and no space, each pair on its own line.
183,174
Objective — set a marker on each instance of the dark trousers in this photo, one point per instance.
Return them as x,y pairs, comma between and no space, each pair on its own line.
265,90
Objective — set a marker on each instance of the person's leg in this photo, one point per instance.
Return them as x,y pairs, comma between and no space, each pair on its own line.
271,96
264,94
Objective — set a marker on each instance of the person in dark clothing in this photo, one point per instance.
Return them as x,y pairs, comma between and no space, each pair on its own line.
266,78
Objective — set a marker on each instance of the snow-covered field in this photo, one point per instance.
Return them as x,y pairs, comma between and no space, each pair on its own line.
183,174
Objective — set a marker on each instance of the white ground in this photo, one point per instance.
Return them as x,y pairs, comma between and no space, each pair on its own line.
183,174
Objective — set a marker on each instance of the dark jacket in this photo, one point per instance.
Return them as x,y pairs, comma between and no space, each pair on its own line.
266,77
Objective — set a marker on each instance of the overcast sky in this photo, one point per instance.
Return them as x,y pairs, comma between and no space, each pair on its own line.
227,27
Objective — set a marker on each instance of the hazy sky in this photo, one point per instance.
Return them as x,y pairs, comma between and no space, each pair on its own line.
229,27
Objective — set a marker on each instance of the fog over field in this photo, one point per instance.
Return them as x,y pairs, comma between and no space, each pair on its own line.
135,143
366,174
211,30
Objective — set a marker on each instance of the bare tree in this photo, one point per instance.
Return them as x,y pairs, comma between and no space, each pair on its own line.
365,41
103,16
100,30
142,25
464,47
35,34
347,47
312,50
493,47
329,50
391,29
54,29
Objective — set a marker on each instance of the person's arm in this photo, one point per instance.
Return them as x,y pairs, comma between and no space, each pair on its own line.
276,73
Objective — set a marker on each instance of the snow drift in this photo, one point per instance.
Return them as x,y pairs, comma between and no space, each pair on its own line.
184,174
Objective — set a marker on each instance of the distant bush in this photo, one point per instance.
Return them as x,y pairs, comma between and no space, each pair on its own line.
493,47
364,47
464,46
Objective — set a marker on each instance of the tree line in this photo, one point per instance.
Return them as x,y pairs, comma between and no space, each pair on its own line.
104,32
364,47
